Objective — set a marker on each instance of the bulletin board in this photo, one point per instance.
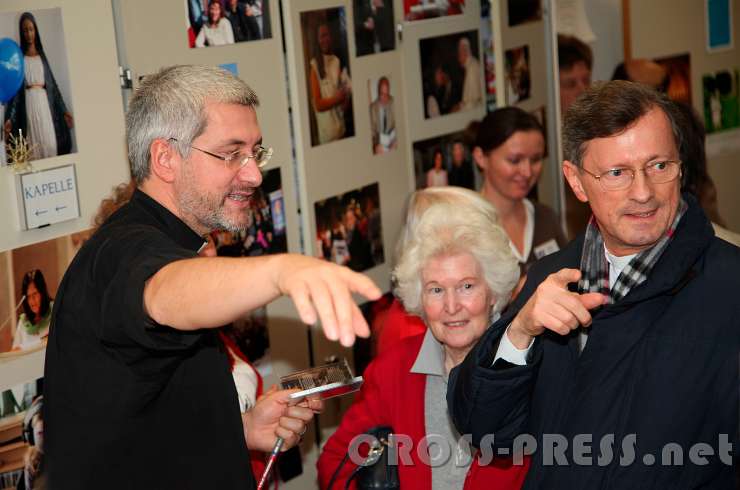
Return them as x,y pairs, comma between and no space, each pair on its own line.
341,167
82,58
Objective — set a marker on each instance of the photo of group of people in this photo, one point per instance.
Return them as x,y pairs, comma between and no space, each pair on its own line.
266,233
348,229
444,160
518,74
326,55
721,100
22,436
382,115
374,26
221,22
429,9
452,80
35,87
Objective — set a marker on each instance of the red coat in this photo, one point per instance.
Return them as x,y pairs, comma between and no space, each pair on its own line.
392,395
394,325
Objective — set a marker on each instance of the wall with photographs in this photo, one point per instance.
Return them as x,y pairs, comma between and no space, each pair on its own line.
350,133
69,107
703,59
75,68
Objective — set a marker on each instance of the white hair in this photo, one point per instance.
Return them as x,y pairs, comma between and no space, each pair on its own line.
171,104
465,223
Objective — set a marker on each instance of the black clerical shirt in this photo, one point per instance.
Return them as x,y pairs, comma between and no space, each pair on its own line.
129,403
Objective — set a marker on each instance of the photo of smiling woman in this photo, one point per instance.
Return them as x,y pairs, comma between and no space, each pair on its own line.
33,322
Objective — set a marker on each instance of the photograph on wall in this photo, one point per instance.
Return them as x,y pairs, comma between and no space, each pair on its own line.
489,65
375,30
718,25
266,231
221,22
22,436
348,229
33,274
518,74
677,81
35,85
430,9
451,74
670,75
382,115
721,91
524,11
444,160
326,56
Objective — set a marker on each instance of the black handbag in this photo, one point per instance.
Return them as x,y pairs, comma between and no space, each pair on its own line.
374,473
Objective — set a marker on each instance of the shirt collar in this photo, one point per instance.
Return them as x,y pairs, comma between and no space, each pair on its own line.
176,229
430,359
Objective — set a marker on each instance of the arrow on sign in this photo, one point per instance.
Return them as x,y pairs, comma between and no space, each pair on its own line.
41,211
59,208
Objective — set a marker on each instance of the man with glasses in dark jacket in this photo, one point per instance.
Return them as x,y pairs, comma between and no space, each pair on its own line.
618,363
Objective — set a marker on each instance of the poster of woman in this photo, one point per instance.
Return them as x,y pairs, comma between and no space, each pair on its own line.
41,109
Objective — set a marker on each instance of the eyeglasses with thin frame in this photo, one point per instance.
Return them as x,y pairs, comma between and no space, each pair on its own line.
617,179
238,159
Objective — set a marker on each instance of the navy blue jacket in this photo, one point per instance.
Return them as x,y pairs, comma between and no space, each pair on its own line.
660,367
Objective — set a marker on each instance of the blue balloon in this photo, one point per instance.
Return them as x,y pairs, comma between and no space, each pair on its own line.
11,69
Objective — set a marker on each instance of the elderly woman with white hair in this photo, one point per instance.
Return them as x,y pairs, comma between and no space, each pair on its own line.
456,271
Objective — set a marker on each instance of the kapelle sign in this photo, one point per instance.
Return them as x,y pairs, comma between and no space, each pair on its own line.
48,196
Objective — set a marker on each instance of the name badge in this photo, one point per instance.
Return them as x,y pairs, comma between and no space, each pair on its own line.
546,248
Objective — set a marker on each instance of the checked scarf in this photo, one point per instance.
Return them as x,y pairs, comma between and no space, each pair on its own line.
595,268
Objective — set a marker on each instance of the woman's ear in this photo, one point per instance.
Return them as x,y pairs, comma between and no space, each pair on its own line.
480,158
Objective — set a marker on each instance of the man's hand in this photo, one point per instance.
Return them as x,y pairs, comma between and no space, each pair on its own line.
275,415
553,307
323,291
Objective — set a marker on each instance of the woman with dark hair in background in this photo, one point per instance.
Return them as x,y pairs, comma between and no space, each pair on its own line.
330,87
38,108
509,149
33,323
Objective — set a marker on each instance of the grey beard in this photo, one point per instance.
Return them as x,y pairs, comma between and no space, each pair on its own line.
207,214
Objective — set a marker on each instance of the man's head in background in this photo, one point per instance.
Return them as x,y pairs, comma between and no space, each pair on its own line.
575,61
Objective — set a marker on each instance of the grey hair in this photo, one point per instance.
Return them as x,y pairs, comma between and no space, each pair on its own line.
171,104
449,227
610,108
420,200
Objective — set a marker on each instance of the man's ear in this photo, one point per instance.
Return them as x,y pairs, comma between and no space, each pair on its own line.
480,158
164,160
573,176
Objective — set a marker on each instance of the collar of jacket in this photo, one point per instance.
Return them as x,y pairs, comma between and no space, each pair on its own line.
674,269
